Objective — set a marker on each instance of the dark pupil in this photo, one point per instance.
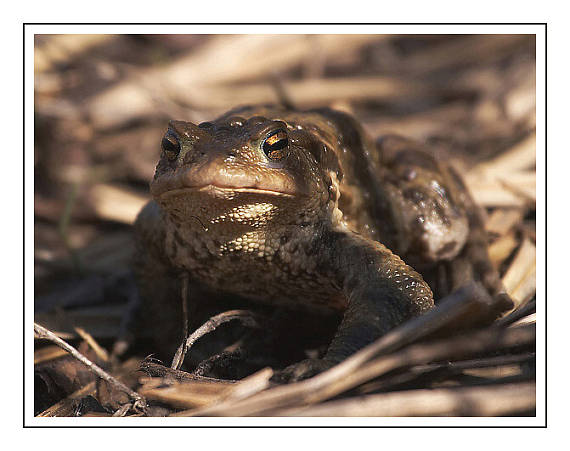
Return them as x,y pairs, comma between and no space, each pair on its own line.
274,143
170,145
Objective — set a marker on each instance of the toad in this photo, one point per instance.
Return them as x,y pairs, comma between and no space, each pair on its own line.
302,210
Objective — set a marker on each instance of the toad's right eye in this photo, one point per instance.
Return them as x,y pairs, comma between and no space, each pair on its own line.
170,146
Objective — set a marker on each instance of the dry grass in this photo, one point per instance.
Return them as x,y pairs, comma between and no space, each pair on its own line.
470,96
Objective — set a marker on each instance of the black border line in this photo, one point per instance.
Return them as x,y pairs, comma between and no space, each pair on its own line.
25,426
287,23
24,225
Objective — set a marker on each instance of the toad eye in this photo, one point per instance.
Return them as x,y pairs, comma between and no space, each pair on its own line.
170,146
275,145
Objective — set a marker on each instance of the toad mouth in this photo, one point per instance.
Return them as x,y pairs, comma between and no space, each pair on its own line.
223,192
216,181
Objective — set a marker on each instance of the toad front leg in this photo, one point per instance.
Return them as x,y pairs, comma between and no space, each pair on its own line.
381,290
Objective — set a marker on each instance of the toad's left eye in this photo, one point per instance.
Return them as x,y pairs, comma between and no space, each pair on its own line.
275,145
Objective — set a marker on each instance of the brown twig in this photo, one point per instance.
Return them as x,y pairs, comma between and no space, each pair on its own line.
180,354
520,278
463,401
99,351
48,353
501,248
433,372
516,314
157,370
245,316
501,221
139,403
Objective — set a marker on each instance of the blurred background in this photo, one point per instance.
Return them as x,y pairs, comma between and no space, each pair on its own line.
102,103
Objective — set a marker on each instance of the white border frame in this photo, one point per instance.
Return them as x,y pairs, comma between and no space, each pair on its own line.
537,29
